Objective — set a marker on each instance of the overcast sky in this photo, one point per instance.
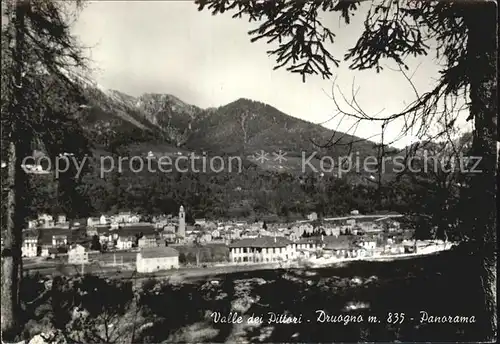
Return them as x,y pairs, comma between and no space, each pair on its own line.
208,61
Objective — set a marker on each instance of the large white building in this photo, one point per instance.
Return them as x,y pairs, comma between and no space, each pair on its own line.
261,250
275,249
156,259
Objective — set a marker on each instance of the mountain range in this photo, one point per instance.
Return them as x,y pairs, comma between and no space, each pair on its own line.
119,124
164,124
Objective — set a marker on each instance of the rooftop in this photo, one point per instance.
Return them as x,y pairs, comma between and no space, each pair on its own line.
132,230
46,234
264,241
159,252
77,246
339,243
311,240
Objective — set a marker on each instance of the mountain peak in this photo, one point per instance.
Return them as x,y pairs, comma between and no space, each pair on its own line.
161,97
157,102
247,101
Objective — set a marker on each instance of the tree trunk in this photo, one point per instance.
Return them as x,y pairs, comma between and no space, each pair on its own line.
19,147
10,255
481,48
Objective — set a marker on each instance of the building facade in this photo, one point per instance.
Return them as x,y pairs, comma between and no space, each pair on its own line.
344,248
61,219
124,243
30,246
261,250
59,240
312,216
157,259
78,255
147,241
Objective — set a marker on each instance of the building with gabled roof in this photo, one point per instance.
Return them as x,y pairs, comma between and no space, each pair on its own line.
77,254
156,259
260,250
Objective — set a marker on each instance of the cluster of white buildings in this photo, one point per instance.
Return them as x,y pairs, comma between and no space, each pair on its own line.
280,249
114,220
48,221
342,237
46,236
45,241
206,231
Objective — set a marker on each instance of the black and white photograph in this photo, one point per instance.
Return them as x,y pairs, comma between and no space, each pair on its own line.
253,171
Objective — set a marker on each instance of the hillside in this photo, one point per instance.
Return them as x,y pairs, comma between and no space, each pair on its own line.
156,125
243,128
246,126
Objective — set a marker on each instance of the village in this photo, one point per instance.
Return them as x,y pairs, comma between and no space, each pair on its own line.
128,242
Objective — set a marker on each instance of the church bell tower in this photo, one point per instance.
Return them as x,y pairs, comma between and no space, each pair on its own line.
182,222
